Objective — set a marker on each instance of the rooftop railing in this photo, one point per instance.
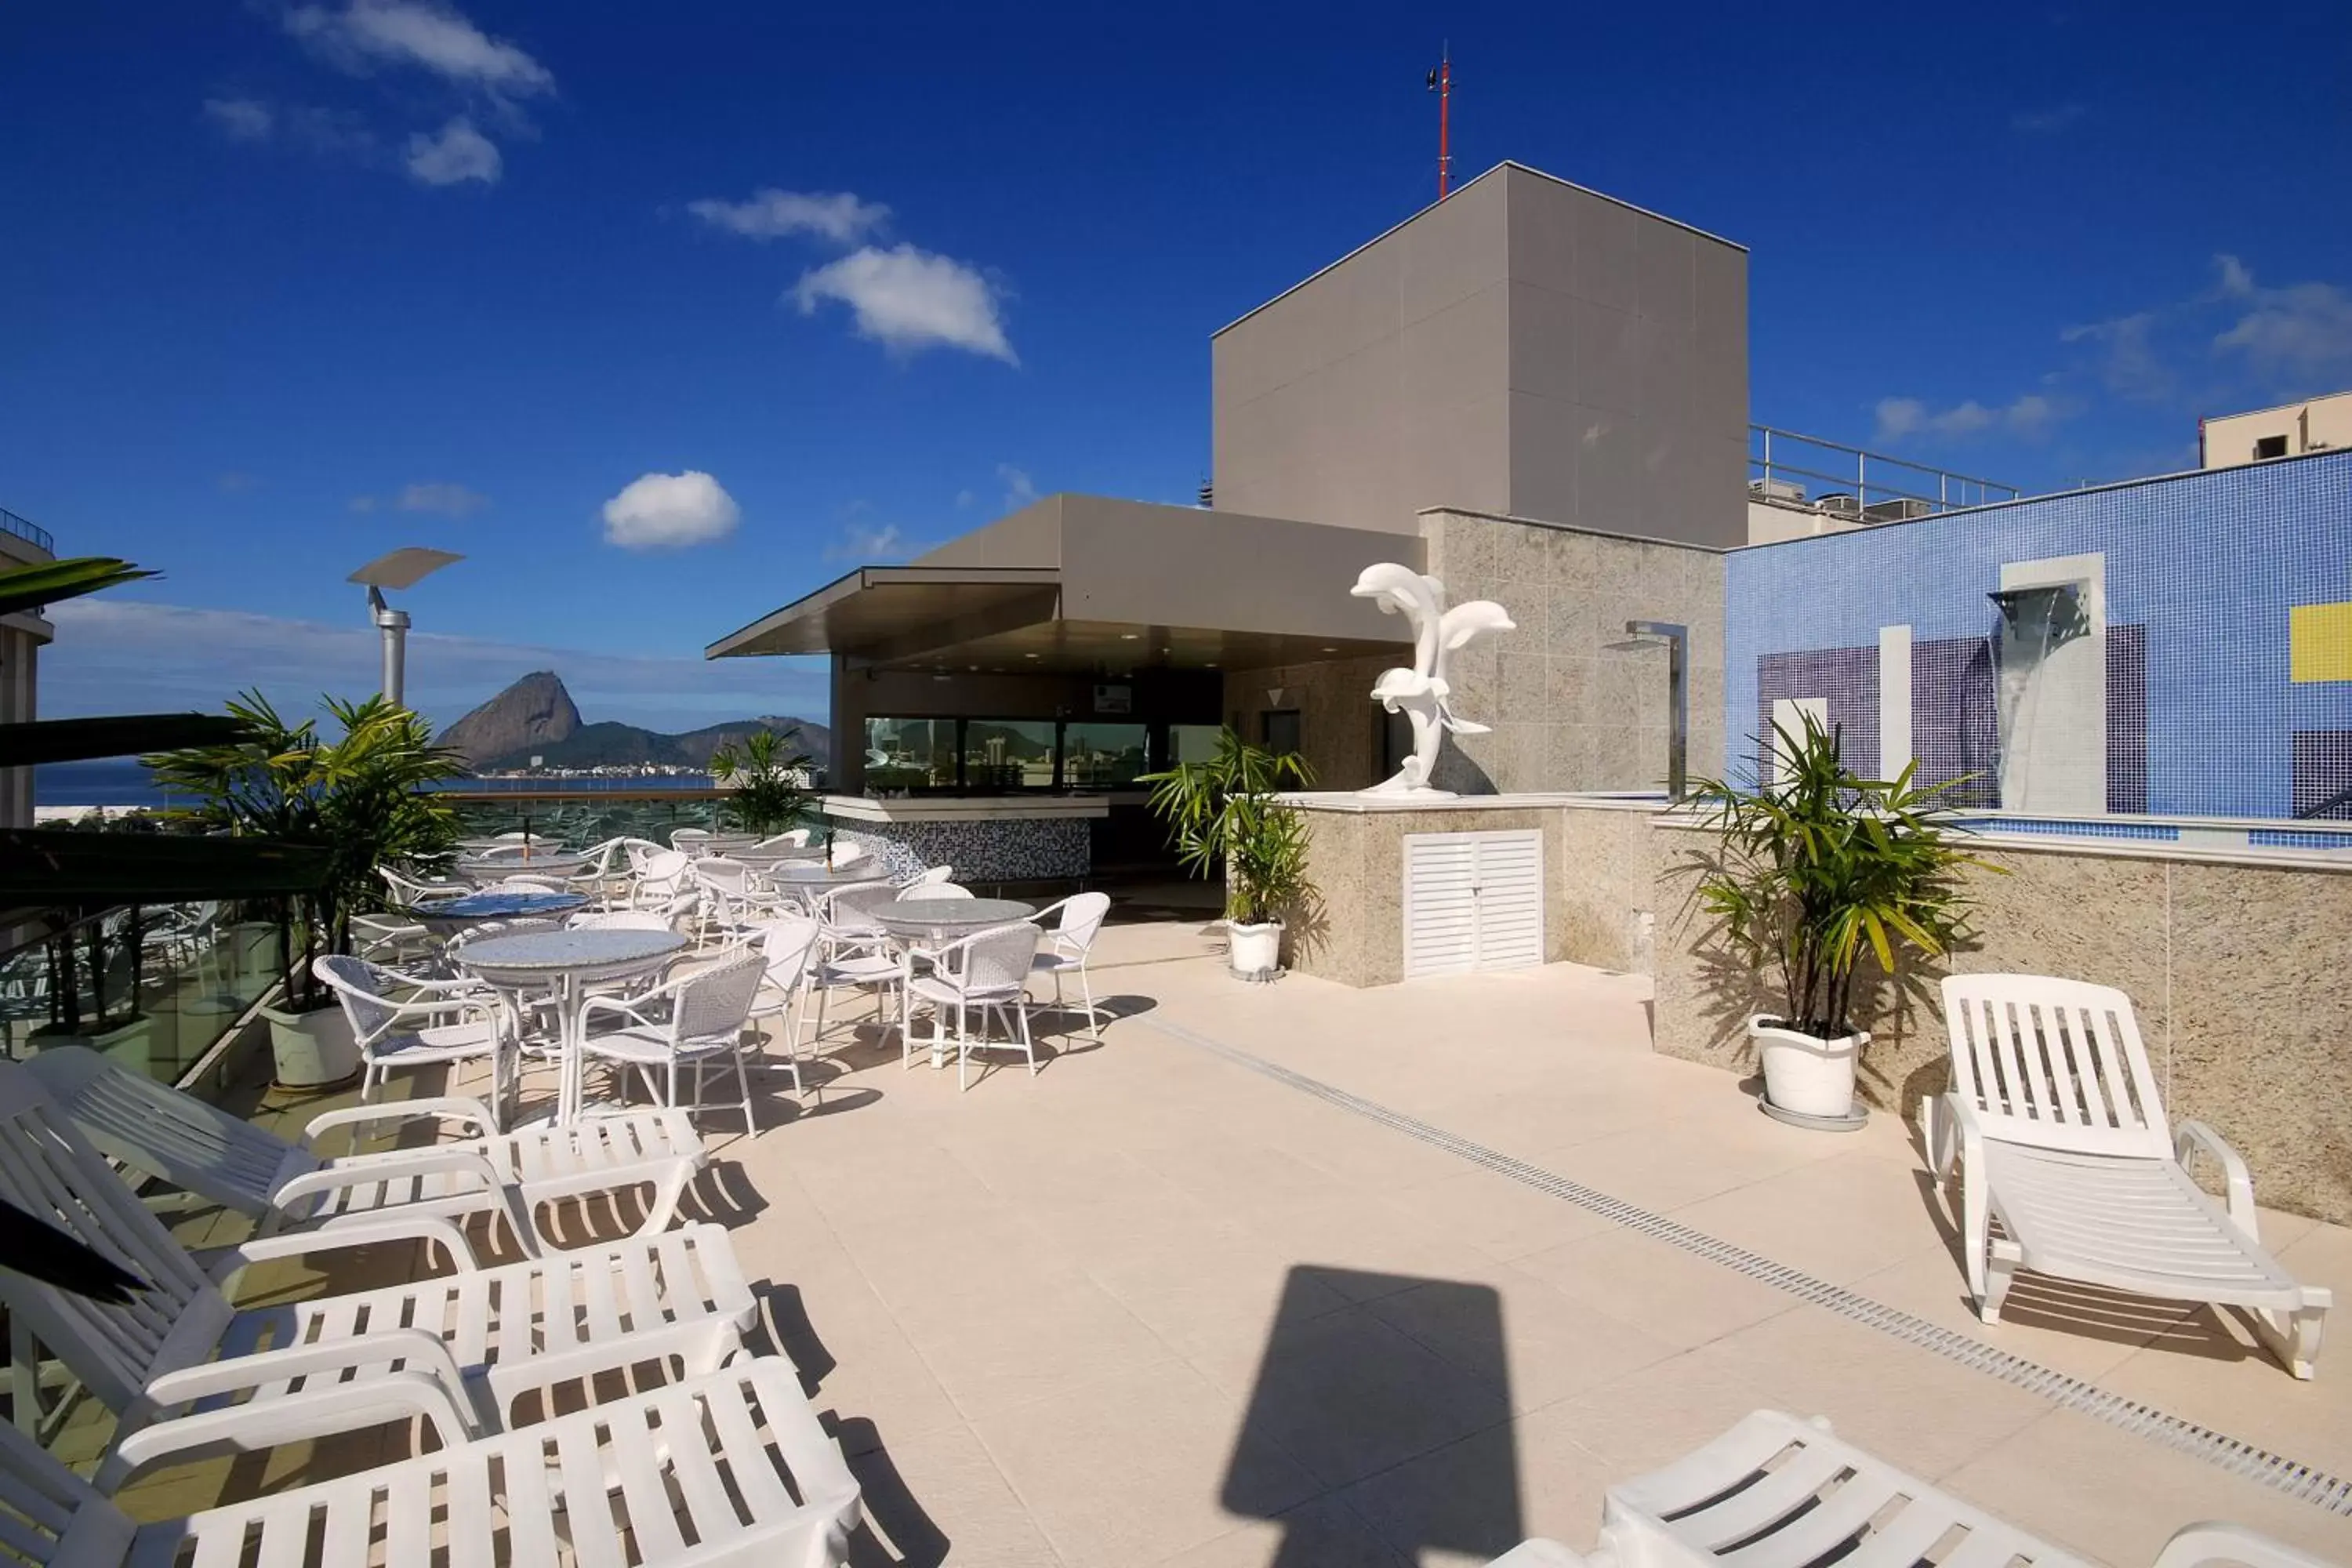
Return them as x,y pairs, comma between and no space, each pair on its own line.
1785,468
31,532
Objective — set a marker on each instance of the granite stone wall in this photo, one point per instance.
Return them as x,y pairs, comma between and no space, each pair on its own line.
1572,703
1352,932
2233,969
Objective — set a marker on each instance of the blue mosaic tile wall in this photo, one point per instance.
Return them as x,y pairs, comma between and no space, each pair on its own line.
2202,571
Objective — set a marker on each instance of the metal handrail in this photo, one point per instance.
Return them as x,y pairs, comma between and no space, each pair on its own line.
1942,490
32,532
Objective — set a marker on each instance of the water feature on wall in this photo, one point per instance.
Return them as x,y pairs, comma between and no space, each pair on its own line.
2050,699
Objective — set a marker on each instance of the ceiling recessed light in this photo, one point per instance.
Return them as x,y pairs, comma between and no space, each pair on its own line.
1128,636
1210,665
1033,656
1330,650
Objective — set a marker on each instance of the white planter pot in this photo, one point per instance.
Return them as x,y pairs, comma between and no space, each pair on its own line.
313,1050
1254,951
250,948
1804,1073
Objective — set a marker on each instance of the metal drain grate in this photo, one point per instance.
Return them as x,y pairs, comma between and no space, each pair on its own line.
2307,1482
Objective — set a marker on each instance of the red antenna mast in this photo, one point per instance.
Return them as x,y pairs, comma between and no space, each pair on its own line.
1441,82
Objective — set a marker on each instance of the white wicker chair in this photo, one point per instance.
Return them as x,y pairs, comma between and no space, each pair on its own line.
794,838
1068,945
2054,1120
788,949
409,891
987,971
914,891
687,1023
690,840
395,1032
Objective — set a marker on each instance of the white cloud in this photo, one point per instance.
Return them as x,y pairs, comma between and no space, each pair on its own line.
114,656
448,501
2029,415
2048,122
660,511
906,300
2129,362
363,503
964,500
1018,489
2299,335
771,214
365,35
457,153
240,118
865,542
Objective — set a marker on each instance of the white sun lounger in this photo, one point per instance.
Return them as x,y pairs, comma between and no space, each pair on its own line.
685,1477
2055,1123
460,1349
1779,1492
160,1131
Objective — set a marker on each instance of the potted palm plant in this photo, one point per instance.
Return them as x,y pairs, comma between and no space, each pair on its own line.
356,797
1814,870
1224,813
767,781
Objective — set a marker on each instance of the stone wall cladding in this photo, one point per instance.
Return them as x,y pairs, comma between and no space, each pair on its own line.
1568,709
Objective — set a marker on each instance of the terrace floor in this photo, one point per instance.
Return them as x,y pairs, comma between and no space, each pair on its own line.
1154,1306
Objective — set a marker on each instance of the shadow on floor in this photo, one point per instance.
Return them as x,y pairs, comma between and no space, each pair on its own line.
1330,1400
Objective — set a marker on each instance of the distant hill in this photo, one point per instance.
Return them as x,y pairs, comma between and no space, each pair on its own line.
535,717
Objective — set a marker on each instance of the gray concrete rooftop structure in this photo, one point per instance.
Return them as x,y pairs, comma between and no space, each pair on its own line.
1526,347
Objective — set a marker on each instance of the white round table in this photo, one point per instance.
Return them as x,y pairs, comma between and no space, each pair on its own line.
446,917
551,866
566,963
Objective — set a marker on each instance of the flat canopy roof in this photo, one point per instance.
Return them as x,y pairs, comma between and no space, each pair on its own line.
886,612
1074,583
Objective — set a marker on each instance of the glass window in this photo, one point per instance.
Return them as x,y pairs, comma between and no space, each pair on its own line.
1279,731
910,753
1102,756
1193,743
1008,753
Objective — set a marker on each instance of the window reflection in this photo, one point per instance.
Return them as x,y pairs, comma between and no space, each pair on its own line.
1102,756
910,753
1008,753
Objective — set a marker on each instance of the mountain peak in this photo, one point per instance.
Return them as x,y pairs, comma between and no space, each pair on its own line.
535,710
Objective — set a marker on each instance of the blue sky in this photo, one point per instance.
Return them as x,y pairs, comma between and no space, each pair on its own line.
288,285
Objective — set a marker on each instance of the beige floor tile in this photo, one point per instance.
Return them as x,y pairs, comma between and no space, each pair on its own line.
1674,1163
937,1498
1519,1334
1500,1217
1660,1290
2118,1498
1479,1497
1908,1406
1068,1337
1349,1396
1837,1218
1652,1416
1141,1466
1325,1534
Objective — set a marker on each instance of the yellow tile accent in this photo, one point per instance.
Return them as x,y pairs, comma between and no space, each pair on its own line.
2319,642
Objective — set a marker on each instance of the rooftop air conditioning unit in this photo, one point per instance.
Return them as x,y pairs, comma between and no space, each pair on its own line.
1778,489
1839,505
1901,510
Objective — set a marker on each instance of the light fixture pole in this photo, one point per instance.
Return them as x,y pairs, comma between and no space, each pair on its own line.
402,569
1677,638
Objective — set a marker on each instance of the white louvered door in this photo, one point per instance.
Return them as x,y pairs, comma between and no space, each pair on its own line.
1473,900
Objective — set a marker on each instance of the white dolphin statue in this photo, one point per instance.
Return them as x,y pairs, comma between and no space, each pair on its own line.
1423,693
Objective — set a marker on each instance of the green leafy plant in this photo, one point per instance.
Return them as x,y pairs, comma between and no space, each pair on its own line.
1820,865
1223,815
766,774
355,797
